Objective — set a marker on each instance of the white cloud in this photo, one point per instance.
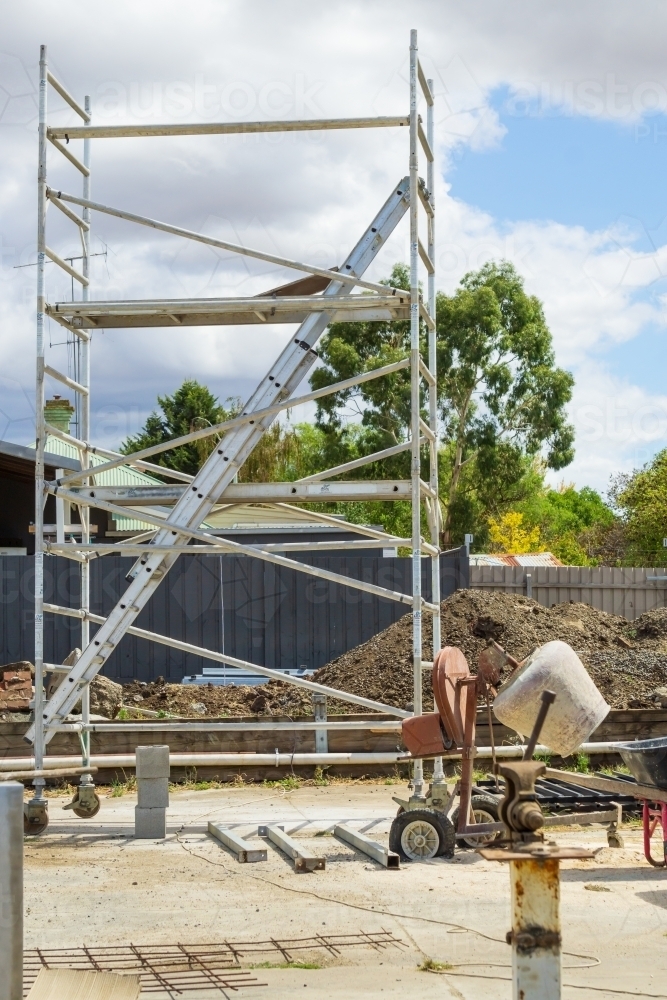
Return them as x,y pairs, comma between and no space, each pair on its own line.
309,196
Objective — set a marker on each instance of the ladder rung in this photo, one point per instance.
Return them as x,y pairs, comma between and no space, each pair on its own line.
426,372
65,266
425,143
70,156
425,198
428,319
428,94
75,386
426,260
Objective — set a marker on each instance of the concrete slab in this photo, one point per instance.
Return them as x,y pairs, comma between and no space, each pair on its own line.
91,882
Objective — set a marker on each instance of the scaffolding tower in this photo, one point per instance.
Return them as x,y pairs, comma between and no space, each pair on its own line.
324,296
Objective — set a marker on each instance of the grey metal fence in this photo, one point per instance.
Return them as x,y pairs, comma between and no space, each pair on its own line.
626,591
251,609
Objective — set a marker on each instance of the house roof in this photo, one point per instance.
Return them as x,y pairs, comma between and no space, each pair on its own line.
228,517
502,559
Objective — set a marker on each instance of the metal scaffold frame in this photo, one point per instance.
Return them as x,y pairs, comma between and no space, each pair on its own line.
327,298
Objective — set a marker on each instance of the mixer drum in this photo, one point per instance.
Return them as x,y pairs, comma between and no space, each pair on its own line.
579,707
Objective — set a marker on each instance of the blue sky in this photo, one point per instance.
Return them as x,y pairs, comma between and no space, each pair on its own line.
578,171
572,169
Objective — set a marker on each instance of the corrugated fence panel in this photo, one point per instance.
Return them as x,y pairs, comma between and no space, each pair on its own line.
626,591
251,609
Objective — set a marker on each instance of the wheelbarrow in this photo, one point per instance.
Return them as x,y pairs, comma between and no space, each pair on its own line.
647,760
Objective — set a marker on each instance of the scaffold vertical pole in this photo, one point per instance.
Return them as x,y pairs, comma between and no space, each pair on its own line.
415,383
84,511
438,773
40,431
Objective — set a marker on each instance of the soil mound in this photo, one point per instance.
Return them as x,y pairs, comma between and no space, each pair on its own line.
382,667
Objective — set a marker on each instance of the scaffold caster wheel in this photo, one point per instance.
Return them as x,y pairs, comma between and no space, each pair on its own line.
86,802
35,818
420,834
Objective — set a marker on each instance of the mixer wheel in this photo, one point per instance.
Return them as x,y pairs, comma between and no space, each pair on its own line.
485,810
421,834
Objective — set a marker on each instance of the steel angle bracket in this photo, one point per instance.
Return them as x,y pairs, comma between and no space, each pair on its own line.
379,853
280,382
244,851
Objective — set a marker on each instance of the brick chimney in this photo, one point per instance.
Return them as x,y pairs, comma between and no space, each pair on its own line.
58,412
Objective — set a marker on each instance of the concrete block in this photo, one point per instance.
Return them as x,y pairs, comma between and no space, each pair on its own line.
152,762
153,793
150,824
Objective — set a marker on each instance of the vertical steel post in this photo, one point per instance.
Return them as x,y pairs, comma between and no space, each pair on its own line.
320,713
418,774
11,890
438,773
40,431
84,511
535,936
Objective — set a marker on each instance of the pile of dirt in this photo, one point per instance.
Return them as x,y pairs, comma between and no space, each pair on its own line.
382,667
212,701
627,660
630,678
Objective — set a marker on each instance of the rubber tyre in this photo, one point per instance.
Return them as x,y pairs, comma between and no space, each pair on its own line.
34,827
486,809
88,813
420,835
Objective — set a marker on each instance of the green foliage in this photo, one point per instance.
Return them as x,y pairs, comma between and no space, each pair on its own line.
429,965
192,407
289,783
501,397
582,763
565,518
497,379
641,498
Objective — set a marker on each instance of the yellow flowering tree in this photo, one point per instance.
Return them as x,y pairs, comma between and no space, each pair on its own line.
509,535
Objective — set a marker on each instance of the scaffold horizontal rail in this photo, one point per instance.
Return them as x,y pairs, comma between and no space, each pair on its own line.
95,549
159,495
231,312
150,517
223,128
